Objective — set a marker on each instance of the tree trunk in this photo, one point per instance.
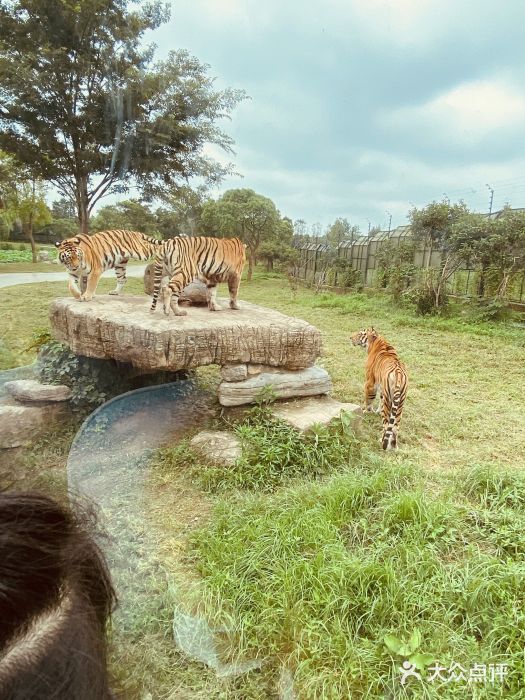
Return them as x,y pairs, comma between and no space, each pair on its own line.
28,226
251,265
82,204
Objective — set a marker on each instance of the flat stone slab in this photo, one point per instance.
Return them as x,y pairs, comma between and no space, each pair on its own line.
31,391
304,413
219,446
311,381
122,328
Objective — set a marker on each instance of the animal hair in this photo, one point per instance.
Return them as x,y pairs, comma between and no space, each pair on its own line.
56,599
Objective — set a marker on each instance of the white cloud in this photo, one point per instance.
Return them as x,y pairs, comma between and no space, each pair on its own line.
467,113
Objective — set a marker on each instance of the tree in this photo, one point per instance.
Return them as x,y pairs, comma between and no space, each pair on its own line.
185,210
84,105
129,214
340,231
245,214
63,208
436,225
279,248
495,246
23,198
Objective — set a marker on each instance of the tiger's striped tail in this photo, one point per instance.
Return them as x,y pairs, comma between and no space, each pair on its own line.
389,439
157,279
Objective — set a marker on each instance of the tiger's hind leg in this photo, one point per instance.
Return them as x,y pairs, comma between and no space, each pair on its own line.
234,281
120,271
171,293
370,393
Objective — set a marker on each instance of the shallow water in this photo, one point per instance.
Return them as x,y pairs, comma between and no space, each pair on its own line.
108,465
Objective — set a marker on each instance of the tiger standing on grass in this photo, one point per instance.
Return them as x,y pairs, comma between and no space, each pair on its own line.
213,260
90,256
384,371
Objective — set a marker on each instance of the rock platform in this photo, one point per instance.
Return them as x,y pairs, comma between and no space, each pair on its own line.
251,345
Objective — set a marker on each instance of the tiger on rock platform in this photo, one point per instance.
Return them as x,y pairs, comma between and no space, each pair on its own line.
212,260
91,255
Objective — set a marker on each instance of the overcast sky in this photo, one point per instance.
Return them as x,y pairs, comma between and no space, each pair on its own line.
361,107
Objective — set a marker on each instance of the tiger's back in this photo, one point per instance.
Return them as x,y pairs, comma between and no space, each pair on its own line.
384,371
214,260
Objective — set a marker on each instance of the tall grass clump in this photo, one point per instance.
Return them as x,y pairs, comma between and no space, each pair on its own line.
343,580
273,454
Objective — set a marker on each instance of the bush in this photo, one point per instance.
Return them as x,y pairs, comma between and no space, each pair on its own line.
91,380
395,267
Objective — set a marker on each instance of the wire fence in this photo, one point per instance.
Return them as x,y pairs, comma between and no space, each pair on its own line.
318,264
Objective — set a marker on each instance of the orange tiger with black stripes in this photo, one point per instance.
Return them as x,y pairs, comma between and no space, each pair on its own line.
384,371
91,255
212,260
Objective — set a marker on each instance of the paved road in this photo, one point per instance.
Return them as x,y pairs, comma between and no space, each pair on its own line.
8,279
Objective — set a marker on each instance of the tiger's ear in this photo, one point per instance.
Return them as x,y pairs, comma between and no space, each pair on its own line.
57,244
77,240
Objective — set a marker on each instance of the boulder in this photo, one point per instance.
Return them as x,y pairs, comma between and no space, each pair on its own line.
20,425
218,446
234,373
43,256
31,391
122,328
307,382
304,413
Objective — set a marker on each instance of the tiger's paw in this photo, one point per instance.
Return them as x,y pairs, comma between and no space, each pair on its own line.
180,312
86,297
234,306
215,307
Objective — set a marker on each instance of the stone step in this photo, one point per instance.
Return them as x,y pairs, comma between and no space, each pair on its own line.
32,391
305,413
285,384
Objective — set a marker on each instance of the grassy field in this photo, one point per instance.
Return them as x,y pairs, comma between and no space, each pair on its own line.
322,554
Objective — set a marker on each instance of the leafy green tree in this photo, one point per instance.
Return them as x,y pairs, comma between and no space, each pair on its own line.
437,225
23,198
85,106
129,214
279,248
340,231
184,207
63,208
495,246
245,214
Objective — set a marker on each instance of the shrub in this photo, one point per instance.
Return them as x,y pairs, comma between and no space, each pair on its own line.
395,267
91,380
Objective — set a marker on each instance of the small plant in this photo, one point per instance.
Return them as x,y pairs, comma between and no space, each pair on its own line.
265,396
408,649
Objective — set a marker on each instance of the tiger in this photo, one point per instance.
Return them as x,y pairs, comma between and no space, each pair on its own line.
212,260
91,255
384,371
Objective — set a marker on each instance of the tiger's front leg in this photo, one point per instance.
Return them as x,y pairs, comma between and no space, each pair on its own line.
74,288
92,283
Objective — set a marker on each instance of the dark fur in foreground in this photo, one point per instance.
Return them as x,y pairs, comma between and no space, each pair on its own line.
55,600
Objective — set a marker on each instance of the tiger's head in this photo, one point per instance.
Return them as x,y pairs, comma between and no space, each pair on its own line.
70,253
364,337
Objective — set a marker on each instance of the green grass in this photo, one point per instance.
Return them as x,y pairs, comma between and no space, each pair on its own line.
311,549
316,576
